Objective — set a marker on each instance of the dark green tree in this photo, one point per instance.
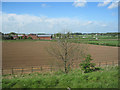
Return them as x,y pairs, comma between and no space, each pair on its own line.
87,66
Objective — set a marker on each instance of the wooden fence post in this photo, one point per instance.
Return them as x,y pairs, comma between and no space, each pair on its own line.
2,71
41,68
32,69
99,64
12,71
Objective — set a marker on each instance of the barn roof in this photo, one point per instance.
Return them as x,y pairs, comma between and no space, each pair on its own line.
20,35
44,35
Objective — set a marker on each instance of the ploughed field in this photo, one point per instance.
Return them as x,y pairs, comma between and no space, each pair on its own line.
27,54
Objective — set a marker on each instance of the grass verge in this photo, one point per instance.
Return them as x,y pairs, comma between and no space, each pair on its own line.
107,78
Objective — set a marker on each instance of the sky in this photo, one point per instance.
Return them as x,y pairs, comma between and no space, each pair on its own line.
57,17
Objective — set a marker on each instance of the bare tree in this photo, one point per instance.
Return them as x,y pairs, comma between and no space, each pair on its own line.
66,51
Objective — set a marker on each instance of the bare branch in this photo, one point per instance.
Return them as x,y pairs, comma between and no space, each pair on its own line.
66,51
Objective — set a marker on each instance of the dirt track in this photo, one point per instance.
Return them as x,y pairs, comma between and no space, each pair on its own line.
21,54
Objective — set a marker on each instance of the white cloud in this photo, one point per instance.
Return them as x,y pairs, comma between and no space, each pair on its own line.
104,3
88,23
114,4
79,3
35,24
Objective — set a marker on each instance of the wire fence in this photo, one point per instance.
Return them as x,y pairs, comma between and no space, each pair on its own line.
50,68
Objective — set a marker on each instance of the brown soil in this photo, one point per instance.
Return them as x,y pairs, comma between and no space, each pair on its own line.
24,54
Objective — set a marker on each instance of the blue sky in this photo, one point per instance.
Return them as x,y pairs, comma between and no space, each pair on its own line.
53,17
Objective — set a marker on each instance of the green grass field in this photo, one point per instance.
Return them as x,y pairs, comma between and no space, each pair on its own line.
97,42
91,37
102,40
106,78
105,42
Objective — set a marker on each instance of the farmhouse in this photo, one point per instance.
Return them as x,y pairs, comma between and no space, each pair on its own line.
15,37
45,37
22,36
33,36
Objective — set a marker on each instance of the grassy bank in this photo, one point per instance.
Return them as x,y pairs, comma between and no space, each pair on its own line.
107,78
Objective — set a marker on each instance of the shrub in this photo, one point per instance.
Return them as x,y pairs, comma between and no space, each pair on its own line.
20,37
25,37
29,37
87,66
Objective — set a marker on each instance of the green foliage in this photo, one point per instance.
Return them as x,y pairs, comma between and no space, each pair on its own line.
58,35
20,37
7,38
41,34
59,72
25,37
29,37
108,78
87,66
13,33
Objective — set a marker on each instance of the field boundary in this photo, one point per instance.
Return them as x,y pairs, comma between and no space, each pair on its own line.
50,68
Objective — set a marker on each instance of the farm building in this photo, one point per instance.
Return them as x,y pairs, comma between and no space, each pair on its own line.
7,37
45,37
22,36
15,37
33,36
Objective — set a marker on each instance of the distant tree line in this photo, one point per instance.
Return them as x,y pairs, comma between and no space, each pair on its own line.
76,33
108,34
58,35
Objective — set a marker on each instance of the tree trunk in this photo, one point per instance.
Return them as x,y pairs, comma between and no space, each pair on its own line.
65,66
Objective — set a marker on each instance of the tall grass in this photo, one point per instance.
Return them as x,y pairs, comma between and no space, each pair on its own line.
107,78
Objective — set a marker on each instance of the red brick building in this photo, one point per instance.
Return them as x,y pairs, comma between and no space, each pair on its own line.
45,37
